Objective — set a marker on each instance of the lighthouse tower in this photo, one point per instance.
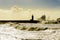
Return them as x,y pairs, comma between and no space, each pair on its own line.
32,19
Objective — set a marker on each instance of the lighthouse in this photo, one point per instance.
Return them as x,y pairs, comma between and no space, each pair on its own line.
32,18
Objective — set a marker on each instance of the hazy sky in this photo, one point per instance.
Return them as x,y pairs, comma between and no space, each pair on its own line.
28,3
47,8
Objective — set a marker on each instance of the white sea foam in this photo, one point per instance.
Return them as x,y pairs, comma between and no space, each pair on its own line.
9,33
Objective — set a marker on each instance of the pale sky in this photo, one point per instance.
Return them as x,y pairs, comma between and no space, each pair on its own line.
25,8
30,3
